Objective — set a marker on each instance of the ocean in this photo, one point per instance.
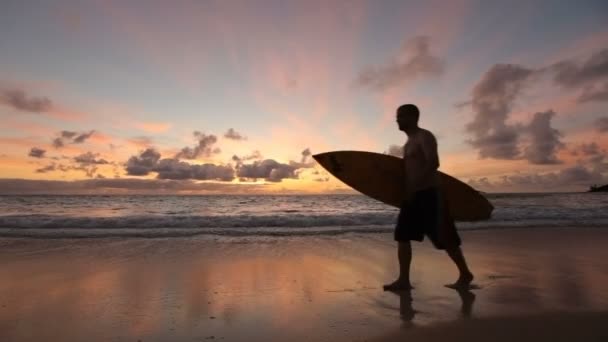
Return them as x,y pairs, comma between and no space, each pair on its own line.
87,216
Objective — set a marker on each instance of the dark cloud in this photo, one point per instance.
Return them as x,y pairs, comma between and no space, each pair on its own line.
37,152
144,163
67,134
594,93
415,61
255,155
82,137
306,154
19,100
90,158
89,170
171,168
203,149
591,76
571,74
175,169
577,177
395,150
591,155
586,149
53,167
121,185
45,169
267,169
58,143
234,135
494,95
305,162
601,124
492,99
71,137
545,140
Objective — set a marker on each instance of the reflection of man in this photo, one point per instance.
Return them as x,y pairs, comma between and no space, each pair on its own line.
423,212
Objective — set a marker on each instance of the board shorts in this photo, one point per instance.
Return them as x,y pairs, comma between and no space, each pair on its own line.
427,214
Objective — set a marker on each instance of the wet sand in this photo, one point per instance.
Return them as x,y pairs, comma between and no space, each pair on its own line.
541,284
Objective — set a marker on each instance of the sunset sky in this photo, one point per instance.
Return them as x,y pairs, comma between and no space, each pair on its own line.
235,96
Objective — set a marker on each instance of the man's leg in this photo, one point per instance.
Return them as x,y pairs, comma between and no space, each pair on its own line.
404,254
466,277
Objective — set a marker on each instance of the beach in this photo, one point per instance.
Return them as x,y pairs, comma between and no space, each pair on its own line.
533,284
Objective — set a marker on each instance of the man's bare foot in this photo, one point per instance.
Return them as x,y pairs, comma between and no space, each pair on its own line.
398,285
463,282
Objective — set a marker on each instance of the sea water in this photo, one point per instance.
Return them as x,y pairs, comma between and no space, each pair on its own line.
47,216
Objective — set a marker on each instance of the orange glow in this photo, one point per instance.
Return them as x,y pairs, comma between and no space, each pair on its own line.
153,127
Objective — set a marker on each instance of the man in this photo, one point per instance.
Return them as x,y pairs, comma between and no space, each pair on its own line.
423,211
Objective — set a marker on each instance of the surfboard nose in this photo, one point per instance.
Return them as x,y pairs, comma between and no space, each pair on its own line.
329,161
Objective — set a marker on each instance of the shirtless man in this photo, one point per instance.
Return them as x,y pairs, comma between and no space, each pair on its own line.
423,212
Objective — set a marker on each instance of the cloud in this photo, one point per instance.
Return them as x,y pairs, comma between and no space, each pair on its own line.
234,135
53,167
58,143
592,156
590,75
121,185
153,127
144,163
594,93
415,61
601,124
545,140
45,169
395,150
255,155
305,162
175,169
268,169
82,137
19,100
89,170
203,149
492,99
86,162
571,74
89,158
586,149
571,178
171,168
37,152
71,137
306,154
67,134
141,141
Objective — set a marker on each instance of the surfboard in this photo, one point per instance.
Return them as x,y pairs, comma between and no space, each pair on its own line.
380,176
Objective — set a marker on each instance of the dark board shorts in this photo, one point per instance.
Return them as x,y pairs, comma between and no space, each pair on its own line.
427,214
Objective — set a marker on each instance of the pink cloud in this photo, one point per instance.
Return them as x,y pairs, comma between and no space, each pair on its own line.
153,127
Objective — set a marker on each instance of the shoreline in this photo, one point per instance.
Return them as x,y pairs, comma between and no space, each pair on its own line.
239,232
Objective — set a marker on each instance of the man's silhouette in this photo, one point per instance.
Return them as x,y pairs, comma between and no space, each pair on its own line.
424,211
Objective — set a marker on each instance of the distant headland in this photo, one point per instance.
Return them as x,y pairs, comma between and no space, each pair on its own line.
595,188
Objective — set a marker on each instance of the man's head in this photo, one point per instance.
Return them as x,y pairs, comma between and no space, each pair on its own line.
407,116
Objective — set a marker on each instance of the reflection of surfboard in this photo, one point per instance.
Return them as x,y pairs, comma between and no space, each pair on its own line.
380,176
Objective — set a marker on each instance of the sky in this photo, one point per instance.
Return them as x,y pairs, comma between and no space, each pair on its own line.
236,96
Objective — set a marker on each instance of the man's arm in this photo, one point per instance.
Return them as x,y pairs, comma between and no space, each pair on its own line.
430,164
431,155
